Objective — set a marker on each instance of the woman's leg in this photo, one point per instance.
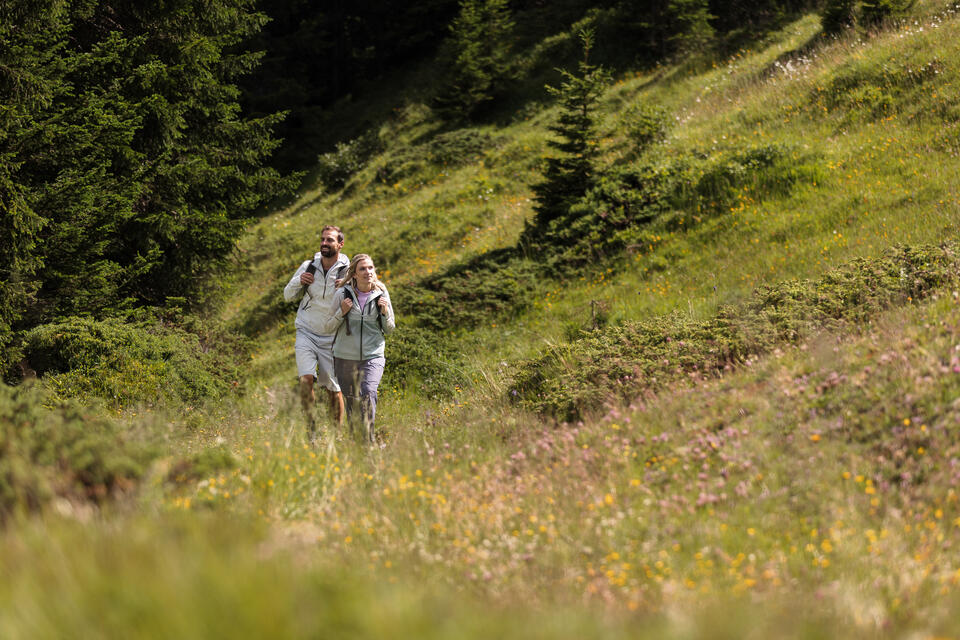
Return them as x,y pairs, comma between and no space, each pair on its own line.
371,371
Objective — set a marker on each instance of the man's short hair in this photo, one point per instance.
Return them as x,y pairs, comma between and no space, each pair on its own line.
330,227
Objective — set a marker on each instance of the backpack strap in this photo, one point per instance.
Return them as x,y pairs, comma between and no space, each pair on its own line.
346,321
311,269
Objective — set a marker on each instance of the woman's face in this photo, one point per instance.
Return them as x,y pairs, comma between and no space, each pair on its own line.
366,272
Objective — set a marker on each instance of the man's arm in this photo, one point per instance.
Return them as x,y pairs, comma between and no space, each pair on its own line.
292,291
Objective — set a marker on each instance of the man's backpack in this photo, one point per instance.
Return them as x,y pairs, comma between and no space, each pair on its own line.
312,270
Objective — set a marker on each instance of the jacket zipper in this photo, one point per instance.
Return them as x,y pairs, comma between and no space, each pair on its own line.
361,329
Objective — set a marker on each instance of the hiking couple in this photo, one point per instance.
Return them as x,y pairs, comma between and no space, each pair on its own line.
343,319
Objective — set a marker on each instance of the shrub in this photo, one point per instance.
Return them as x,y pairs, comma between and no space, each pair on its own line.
336,167
423,360
203,464
619,363
607,219
137,361
874,91
444,151
470,293
646,125
758,173
837,15
455,148
874,12
64,451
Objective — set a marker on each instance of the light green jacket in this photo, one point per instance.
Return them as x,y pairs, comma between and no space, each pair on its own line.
368,326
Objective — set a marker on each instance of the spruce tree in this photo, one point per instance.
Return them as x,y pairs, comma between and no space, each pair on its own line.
479,43
691,20
837,15
569,174
126,170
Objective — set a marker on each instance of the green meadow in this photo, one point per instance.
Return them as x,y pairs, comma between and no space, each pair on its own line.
735,418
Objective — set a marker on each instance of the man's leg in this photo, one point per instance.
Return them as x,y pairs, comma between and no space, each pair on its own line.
336,405
307,400
305,352
327,376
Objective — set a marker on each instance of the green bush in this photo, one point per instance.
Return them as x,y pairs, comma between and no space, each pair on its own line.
761,172
423,360
617,364
617,212
444,151
470,293
874,12
137,361
609,217
837,15
203,464
455,148
875,90
645,125
66,451
336,167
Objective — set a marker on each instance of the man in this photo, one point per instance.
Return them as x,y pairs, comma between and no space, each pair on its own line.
316,281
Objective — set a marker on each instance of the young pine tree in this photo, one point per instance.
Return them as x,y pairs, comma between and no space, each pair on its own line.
691,24
570,174
837,15
479,42
874,12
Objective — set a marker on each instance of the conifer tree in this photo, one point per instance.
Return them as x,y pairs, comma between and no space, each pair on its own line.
692,24
569,174
479,41
126,171
837,15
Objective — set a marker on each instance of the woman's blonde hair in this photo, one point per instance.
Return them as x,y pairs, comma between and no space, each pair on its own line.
351,276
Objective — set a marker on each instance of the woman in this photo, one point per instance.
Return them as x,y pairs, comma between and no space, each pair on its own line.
362,320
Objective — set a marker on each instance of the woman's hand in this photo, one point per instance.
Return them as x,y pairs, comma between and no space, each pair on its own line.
384,305
345,305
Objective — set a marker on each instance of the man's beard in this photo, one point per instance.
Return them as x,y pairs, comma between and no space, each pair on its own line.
327,251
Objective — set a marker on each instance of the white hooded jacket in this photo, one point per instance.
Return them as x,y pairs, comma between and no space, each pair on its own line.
316,306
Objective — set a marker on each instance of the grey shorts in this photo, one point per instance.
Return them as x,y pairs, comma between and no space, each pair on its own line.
315,358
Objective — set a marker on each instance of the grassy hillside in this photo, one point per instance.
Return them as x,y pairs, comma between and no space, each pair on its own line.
736,416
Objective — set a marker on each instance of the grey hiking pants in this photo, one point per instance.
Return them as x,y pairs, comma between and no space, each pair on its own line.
359,380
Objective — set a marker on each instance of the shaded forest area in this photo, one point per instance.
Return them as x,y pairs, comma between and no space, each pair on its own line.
487,54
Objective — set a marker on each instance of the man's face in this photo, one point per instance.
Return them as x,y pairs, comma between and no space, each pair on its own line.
329,245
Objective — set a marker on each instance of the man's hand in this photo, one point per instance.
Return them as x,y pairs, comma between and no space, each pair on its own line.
306,278
345,305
